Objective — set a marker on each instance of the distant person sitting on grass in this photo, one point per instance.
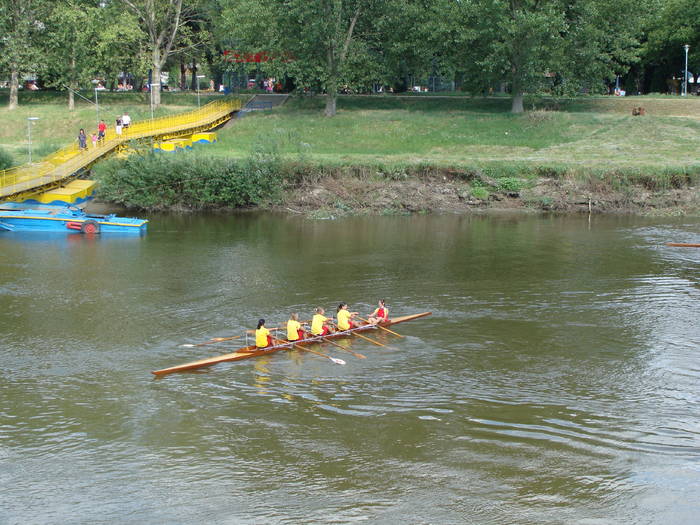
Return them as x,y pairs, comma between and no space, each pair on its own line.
82,139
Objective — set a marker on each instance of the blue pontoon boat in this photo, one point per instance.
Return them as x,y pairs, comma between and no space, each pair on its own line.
67,219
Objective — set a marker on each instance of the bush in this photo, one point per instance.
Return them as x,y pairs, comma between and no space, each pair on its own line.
6,160
509,184
157,181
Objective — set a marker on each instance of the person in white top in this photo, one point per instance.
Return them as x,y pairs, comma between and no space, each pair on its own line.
126,120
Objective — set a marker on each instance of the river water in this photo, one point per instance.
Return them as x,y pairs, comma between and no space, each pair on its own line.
557,380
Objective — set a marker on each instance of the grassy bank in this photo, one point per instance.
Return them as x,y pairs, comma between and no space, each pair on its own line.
57,126
391,154
476,132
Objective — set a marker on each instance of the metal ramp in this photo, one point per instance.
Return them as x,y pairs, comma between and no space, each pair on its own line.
70,161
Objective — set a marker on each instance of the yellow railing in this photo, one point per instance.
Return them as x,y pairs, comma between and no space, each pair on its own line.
67,161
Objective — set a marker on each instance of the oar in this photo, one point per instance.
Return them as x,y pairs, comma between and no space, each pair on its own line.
370,340
381,327
220,339
356,354
294,343
362,336
212,341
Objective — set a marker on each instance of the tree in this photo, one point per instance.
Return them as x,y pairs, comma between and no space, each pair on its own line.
313,41
71,36
20,27
121,45
528,43
673,24
160,20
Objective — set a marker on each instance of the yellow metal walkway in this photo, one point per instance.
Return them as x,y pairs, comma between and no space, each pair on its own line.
66,163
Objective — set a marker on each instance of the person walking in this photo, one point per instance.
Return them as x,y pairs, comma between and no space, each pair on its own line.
126,120
101,131
118,127
82,139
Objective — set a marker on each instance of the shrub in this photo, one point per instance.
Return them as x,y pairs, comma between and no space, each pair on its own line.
152,180
6,160
509,184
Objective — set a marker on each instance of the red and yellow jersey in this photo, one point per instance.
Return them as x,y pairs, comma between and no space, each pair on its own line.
293,328
343,319
261,337
317,324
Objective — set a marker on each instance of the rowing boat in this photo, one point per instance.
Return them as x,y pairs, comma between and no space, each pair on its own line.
252,351
683,244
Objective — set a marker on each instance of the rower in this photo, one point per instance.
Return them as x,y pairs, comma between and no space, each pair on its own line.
318,323
294,331
345,321
262,335
380,314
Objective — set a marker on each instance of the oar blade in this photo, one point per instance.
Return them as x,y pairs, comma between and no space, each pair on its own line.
337,361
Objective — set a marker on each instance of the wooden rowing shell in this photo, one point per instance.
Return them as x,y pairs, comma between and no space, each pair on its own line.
683,244
252,351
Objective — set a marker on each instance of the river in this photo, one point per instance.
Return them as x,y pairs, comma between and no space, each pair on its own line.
557,380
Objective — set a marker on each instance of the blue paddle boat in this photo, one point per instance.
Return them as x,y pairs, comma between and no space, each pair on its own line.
66,219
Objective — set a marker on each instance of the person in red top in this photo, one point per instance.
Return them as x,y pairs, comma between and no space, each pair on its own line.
101,130
380,314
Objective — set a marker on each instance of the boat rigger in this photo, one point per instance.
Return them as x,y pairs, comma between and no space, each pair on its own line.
252,351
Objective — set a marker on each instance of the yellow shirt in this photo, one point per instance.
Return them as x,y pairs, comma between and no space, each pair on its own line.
261,337
317,324
293,328
343,319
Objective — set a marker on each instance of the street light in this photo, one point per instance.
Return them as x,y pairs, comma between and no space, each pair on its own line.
97,108
685,76
198,77
29,133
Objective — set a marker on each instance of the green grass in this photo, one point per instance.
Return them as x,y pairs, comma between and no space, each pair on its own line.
584,134
57,126
472,132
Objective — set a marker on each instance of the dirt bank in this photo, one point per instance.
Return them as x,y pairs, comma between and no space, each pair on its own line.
348,194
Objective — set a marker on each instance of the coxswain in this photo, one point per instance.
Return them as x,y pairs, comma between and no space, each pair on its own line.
294,331
262,335
318,323
345,316
380,314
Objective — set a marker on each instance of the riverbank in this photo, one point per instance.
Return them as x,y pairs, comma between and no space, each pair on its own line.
391,155
449,191
193,181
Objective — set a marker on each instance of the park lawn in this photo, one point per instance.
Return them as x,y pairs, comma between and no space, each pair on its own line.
585,133
470,132
57,127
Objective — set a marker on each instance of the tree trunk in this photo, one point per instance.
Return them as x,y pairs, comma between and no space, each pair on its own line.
183,75
155,85
331,99
517,106
14,88
71,100
195,80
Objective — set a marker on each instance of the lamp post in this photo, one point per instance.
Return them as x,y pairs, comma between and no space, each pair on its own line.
29,133
198,77
97,108
685,76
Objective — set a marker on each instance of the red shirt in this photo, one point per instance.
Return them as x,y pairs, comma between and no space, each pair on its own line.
102,126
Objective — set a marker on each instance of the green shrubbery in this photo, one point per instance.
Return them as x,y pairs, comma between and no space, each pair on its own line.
6,160
157,181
